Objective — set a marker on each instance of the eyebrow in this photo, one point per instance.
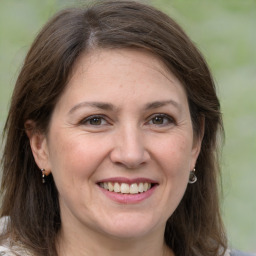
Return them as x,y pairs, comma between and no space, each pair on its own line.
158,104
111,107
99,105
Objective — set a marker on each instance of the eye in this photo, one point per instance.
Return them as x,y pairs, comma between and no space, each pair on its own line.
161,120
94,121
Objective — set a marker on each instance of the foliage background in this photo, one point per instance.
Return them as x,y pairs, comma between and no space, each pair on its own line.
225,32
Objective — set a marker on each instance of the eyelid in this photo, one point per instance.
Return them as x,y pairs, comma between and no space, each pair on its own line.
83,121
163,115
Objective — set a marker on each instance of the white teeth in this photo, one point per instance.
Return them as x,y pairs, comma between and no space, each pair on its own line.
110,187
141,187
105,185
134,189
117,187
125,188
145,186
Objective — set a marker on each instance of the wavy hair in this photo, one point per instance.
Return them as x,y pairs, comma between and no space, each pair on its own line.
195,228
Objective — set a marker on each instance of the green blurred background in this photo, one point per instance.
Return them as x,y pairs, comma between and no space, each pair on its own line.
225,32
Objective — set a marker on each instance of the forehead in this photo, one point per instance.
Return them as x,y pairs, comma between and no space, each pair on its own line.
125,61
122,57
110,74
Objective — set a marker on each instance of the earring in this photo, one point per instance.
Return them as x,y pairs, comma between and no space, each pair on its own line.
192,177
43,175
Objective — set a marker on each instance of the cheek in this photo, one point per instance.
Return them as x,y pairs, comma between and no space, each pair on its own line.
75,157
175,156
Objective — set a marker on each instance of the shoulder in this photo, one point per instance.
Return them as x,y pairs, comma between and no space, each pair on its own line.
4,251
8,248
3,224
238,253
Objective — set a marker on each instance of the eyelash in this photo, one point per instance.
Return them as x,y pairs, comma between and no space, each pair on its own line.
166,119
88,119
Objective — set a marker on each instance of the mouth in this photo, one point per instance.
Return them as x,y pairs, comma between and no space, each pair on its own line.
126,188
128,191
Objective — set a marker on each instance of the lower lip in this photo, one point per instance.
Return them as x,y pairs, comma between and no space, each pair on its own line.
128,198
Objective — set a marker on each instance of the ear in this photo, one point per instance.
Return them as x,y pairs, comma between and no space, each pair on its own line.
39,147
197,143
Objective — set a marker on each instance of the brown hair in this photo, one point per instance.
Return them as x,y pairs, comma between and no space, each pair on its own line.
195,228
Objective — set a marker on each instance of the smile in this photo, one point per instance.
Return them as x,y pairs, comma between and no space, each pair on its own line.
125,188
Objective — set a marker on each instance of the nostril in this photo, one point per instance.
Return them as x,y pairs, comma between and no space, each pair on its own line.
129,152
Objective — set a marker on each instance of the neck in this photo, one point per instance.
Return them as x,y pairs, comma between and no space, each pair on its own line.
91,243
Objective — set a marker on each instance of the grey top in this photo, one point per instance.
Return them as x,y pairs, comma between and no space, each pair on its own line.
18,249
5,251
238,253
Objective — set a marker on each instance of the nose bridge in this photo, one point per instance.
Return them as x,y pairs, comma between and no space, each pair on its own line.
129,147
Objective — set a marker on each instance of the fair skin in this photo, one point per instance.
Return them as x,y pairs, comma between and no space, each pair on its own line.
123,119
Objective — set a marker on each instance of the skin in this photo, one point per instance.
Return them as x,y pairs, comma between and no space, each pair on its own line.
131,137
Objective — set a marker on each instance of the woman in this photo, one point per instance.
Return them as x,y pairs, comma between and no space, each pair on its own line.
111,140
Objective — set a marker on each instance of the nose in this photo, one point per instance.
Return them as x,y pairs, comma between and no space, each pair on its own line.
129,149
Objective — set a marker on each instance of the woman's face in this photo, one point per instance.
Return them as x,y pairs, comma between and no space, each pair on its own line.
120,144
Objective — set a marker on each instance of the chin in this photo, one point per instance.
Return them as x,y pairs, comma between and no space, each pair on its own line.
129,233
130,227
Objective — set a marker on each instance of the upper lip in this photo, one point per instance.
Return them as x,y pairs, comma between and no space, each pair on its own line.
128,180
